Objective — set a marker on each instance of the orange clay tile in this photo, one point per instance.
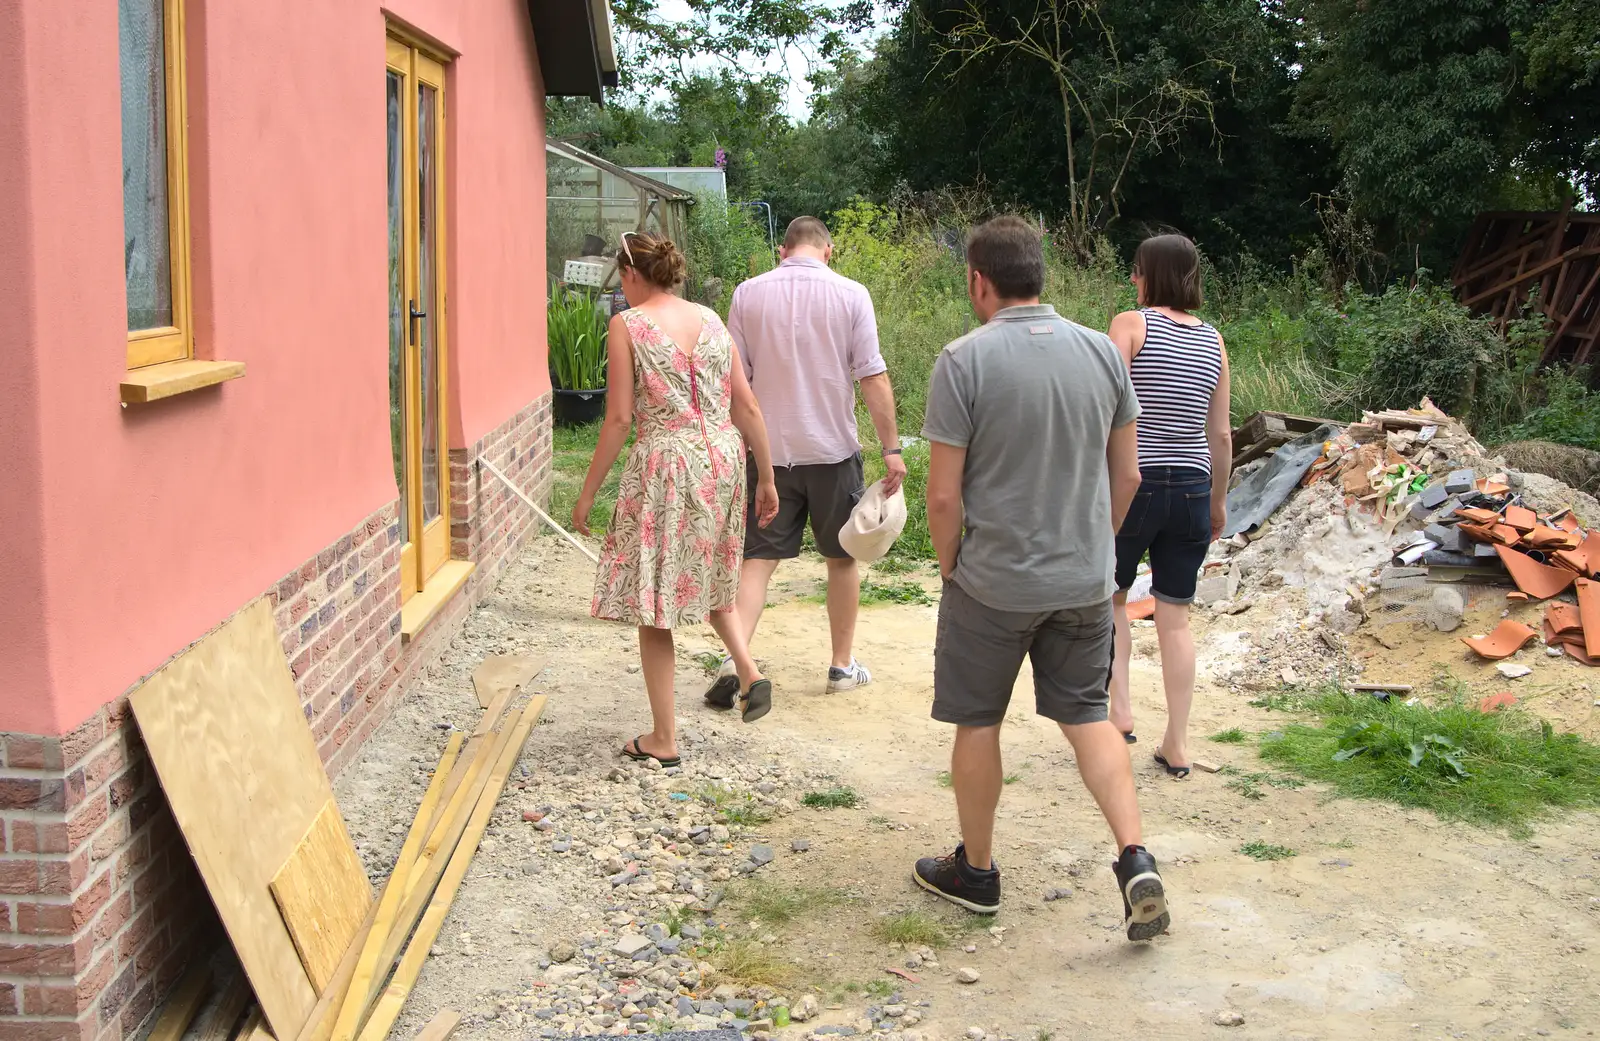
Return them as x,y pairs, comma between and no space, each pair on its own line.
1563,618
1589,613
1477,515
1577,651
1541,537
1492,487
1572,559
1591,552
1517,596
1141,609
1496,702
1568,522
1505,534
1521,518
1540,581
1508,638
1476,532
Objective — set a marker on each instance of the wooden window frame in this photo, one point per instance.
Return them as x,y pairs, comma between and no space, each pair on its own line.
174,343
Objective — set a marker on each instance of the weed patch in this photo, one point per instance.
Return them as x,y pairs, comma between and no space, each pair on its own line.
780,905
1502,769
1230,736
839,797
753,964
915,928
733,807
894,593
1266,851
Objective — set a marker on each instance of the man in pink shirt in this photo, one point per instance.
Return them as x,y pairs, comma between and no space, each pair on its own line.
807,336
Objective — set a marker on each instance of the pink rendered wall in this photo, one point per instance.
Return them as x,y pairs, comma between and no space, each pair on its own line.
139,529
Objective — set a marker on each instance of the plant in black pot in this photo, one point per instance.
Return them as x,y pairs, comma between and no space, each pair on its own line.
577,333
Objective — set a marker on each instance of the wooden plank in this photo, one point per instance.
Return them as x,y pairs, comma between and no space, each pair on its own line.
1526,276
358,962
501,672
236,759
323,893
255,1028
224,1015
441,1026
154,382
394,997
181,1010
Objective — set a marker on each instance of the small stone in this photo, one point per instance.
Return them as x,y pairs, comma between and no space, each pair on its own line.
970,948
1289,676
1556,652
1059,893
800,845
560,845
630,945
760,855
804,1009
1511,670
1229,1017
975,1034
562,952
894,1011
532,816
967,975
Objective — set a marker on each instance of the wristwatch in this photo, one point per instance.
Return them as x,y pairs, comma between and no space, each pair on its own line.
887,452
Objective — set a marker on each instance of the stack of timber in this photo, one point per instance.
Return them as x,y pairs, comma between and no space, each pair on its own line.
1510,255
1264,432
323,958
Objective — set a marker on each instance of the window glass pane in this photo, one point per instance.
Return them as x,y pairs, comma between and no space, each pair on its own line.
147,255
397,301
428,289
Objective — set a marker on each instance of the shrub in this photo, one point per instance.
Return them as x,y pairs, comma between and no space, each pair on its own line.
577,336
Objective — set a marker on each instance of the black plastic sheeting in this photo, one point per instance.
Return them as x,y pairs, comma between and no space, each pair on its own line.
1262,491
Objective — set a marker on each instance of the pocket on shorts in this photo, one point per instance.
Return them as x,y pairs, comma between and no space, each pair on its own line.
1138,511
1197,511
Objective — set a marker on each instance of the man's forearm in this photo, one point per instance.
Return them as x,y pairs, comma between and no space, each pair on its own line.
944,530
1122,492
878,393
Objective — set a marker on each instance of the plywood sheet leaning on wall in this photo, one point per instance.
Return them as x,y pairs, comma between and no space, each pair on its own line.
237,762
323,894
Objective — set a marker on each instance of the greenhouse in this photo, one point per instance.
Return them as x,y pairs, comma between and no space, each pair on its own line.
591,202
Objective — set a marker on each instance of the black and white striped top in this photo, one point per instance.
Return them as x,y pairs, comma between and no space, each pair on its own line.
1174,375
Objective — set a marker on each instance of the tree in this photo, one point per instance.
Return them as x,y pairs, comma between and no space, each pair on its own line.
1113,109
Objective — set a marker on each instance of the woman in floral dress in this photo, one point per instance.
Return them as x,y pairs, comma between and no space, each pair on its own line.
677,537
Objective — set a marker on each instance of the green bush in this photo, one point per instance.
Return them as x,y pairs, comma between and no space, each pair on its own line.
577,334
726,245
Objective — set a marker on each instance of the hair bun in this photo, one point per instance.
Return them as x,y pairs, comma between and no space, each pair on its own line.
656,258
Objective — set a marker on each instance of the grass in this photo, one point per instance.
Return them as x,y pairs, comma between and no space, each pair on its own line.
753,964
944,780
710,661
1230,736
894,593
1259,850
839,797
913,928
1500,769
738,808
780,904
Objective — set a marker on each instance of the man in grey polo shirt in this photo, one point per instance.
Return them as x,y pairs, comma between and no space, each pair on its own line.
1031,421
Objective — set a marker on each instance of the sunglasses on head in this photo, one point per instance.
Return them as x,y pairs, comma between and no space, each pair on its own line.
624,242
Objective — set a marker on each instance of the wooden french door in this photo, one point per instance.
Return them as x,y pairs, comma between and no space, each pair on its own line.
417,302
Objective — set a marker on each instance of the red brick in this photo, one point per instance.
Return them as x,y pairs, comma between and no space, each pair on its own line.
115,996
45,1030
44,919
44,959
86,820
38,837
32,752
105,765
81,741
8,999
113,918
32,793
63,877
5,918
38,1000
110,840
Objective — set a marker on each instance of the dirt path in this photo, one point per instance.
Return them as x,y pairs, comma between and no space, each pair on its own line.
1386,922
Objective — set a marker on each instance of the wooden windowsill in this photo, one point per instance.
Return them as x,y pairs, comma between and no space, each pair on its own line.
154,382
416,613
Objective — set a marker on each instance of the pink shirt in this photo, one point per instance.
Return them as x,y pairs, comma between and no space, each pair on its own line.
806,335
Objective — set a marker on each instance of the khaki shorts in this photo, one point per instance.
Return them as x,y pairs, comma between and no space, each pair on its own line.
979,650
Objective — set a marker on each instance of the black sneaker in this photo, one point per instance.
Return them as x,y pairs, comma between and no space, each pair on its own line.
1144,901
959,882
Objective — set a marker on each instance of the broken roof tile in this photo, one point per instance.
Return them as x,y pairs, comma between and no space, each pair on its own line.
1508,638
1540,581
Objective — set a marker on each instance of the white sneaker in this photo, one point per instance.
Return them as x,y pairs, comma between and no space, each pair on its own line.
849,678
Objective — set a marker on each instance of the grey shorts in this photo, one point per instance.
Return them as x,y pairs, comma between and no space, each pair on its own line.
825,494
979,650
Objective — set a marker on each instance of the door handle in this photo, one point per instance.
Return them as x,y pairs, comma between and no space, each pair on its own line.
415,315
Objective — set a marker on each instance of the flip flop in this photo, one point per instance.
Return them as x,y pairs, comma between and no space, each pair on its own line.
1177,773
757,701
635,751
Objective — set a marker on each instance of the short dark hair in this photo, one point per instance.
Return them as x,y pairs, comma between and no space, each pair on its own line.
807,231
1170,267
1009,252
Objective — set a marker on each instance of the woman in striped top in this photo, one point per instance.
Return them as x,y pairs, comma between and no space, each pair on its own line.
1180,374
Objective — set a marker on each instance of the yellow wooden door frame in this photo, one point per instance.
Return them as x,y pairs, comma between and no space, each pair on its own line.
428,545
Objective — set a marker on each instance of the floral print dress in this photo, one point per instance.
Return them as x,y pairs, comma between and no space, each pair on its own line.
677,535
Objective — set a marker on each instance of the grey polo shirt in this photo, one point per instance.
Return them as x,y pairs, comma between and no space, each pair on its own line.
1033,399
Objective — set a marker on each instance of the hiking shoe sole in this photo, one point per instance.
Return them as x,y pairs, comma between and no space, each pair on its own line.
1147,899
975,908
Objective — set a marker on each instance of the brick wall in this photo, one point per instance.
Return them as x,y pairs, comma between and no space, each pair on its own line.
101,907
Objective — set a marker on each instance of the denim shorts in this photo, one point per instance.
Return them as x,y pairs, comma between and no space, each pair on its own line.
1170,518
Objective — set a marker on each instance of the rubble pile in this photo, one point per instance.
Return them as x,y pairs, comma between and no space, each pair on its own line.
1409,500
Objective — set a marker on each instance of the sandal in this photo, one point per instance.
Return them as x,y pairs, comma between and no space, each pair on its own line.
635,751
1127,735
723,693
1177,773
757,701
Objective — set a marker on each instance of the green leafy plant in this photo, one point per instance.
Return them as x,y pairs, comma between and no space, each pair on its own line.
1230,736
835,798
894,593
1258,850
577,335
